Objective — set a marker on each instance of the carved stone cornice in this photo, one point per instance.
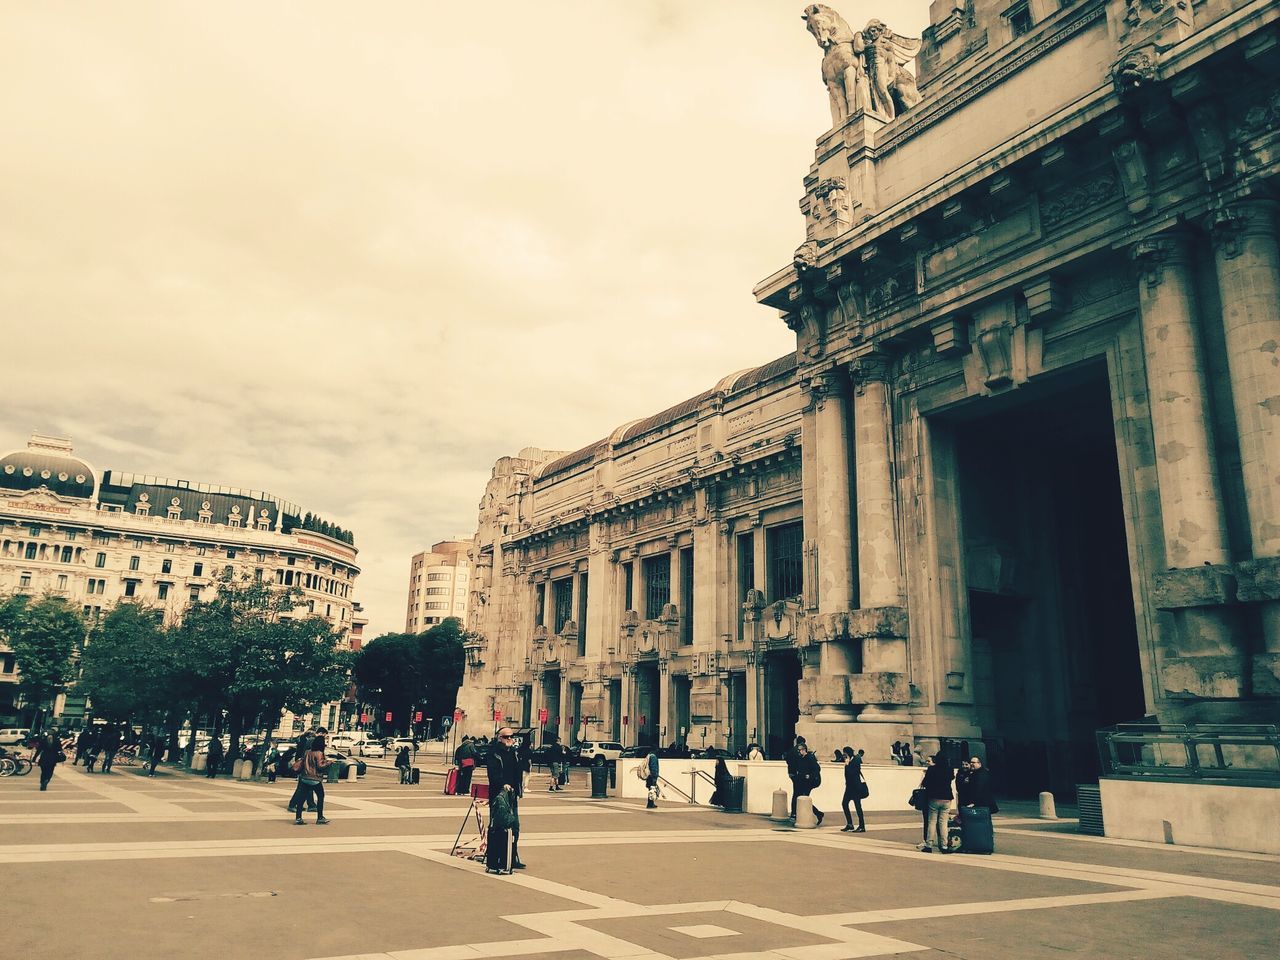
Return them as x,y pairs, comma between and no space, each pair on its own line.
824,387
1152,254
870,367
1231,225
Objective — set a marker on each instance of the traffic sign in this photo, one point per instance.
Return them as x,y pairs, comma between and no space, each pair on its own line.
457,716
542,714
497,716
417,717
364,718
388,716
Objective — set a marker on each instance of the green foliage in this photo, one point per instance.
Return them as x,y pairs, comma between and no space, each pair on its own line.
44,635
129,665
398,671
247,652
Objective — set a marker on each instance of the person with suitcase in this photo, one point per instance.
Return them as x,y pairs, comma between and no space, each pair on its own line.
977,804
503,766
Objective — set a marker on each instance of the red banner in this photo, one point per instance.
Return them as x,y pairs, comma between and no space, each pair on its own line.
417,717
497,716
388,716
542,715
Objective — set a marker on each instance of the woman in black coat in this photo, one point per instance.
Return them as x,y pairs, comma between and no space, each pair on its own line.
855,789
937,790
47,756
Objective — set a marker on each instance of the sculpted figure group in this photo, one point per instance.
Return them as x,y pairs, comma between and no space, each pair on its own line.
863,70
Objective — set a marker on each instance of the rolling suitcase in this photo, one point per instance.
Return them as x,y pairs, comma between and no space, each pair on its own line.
451,782
976,835
497,854
415,776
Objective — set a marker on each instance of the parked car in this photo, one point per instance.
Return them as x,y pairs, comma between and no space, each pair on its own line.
10,736
346,741
393,746
372,748
598,751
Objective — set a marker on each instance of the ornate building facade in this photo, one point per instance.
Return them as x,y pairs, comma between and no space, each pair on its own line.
1019,479
97,539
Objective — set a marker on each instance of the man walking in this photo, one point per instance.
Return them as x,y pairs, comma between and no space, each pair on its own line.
855,788
157,751
808,777
214,754
503,767
556,760
651,780
793,763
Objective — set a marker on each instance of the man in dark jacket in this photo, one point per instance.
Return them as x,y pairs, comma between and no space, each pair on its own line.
300,792
975,790
808,777
465,761
503,767
792,757
555,760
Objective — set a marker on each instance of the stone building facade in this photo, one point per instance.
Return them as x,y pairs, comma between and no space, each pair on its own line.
439,585
97,539
1025,457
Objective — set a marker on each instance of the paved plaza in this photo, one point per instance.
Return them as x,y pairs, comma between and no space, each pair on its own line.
181,866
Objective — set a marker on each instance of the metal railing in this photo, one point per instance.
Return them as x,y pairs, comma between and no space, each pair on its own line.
1238,753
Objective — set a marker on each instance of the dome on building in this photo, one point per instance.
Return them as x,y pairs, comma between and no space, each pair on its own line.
48,462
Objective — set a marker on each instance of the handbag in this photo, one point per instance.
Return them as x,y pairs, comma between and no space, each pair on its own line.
862,791
642,771
919,800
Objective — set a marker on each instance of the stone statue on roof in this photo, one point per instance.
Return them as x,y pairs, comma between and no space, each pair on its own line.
863,71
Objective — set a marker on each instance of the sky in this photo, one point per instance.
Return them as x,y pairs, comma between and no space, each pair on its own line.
351,254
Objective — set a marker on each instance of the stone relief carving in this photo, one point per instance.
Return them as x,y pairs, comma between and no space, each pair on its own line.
1136,69
1077,199
834,205
863,71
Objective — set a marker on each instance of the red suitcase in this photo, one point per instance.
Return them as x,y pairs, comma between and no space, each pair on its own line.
451,782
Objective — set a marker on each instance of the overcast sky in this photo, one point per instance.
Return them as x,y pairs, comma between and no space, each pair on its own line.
352,253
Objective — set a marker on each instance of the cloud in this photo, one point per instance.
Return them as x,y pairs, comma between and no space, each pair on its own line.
352,254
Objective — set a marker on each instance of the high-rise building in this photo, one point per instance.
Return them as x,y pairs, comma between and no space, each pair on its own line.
96,539
439,579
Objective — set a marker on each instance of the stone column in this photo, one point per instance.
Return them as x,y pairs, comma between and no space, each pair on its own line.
1248,265
832,517
879,571
535,704
1190,496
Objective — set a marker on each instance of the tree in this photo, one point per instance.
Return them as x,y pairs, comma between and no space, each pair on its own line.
129,665
398,671
44,635
246,653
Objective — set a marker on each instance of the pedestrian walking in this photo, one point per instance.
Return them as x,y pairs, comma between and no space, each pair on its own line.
808,777
83,742
109,746
271,761
557,760
855,790
214,752
311,767
792,758
157,751
47,756
724,784
300,794
937,790
466,764
403,763
503,768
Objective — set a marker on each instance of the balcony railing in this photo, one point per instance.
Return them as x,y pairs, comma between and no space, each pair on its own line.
1239,753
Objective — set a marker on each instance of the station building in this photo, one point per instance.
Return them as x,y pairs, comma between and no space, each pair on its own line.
1020,479
98,538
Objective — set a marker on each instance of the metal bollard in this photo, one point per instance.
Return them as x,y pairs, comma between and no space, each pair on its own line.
1047,809
804,813
781,806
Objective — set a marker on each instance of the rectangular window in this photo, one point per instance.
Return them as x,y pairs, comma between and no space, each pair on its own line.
71,534
292,560
438,576
197,569
62,581
562,597
657,584
130,588
166,566
200,551
582,614
1019,19
66,555
100,560
33,530
194,595
137,542
102,538
231,553
228,570
24,581
30,553
628,587
170,547
257,574
162,591
784,548
686,595
133,562
437,591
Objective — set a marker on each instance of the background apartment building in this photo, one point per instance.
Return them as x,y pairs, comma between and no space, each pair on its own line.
438,582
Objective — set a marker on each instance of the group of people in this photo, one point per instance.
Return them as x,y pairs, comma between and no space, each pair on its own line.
101,742
972,783
310,763
805,773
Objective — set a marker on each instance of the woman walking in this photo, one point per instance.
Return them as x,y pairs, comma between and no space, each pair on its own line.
855,788
311,780
47,756
937,790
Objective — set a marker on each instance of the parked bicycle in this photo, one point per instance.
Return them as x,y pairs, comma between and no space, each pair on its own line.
13,765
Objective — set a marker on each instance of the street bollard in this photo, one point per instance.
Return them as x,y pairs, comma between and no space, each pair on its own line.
805,818
599,782
781,806
349,771
243,770
1047,809
199,762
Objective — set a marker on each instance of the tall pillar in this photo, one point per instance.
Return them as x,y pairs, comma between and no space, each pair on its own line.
628,734
1193,521
832,515
1248,265
755,698
535,704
